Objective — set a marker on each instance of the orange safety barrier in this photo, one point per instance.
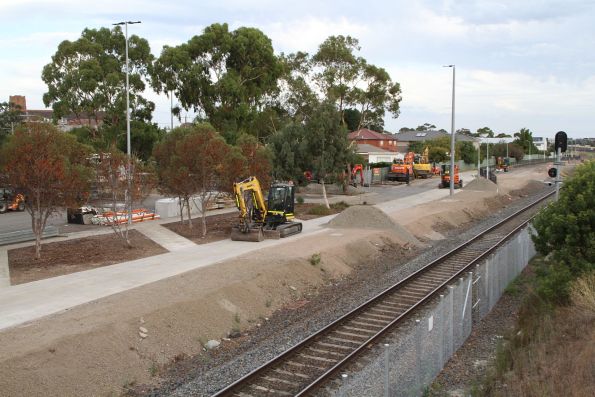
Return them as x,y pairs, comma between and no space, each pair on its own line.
119,217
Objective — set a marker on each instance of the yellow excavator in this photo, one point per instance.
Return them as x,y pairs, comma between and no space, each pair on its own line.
258,219
422,167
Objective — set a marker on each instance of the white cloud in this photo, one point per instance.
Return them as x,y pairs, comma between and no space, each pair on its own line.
519,63
308,33
502,100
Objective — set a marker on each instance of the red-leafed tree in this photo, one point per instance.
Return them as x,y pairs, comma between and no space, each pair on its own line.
196,162
50,168
175,166
112,172
258,159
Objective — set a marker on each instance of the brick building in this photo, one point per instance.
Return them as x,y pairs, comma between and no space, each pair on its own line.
47,115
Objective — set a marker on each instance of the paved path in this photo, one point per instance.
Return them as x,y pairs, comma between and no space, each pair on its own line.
4,273
30,301
169,240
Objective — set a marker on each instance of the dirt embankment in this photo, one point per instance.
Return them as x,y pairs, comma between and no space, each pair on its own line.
96,349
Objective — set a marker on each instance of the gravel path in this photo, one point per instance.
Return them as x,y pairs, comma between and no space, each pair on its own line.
205,374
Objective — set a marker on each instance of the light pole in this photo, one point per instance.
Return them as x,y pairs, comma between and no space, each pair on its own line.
128,149
452,134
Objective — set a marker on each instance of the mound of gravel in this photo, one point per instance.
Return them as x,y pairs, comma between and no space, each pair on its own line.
370,217
482,185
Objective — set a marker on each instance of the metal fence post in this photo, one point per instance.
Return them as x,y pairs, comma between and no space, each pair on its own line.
343,385
386,370
418,362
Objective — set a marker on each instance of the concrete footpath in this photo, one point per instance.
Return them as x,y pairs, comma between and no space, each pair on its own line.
26,302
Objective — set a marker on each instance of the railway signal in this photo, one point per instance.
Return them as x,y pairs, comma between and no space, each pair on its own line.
552,172
560,145
560,141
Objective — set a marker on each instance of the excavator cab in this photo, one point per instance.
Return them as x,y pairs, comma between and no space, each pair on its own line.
445,180
280,203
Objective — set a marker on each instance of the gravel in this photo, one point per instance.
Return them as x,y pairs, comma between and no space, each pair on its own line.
370,217
207,373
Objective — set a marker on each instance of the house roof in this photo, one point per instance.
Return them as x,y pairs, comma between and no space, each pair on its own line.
365,148
365,133
47,113
418,136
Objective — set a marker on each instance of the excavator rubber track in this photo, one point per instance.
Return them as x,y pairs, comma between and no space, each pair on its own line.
258,234
255,235
289,229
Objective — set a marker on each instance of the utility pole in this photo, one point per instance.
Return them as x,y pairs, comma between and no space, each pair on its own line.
478,159
452,133
128,149
488,159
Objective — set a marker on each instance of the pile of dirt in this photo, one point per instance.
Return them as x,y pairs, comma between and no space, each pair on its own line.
370,217
481,185
531,187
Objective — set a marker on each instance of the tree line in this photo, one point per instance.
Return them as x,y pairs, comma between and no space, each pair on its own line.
258,113
232,79
439,148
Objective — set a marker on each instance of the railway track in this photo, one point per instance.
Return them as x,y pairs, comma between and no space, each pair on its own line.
301,370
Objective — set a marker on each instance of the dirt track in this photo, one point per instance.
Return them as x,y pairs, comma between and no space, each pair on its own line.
95,349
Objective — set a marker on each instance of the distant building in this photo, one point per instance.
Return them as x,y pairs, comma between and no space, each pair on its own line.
540,143
374,146
406,137
374,154
47,115
365,136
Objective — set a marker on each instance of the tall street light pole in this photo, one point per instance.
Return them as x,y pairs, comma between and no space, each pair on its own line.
128,148
452,134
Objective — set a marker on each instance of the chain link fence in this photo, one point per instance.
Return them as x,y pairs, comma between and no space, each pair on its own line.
407,361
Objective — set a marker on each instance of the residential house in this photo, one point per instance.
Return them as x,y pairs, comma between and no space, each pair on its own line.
374,154
374,146
406,137
369,137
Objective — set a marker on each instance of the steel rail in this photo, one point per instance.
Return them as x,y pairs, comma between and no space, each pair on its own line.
228,390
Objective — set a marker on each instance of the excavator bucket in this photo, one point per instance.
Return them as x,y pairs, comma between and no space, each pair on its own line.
254,235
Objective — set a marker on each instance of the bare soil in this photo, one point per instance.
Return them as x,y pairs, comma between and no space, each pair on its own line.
76,255
95,349
219,226
308,211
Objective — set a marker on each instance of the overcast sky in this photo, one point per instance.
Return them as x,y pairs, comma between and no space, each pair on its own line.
524,63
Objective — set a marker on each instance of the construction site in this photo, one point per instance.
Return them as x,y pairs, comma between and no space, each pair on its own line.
180,308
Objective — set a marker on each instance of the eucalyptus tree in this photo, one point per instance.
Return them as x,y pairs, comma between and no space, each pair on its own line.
227,77
335,73
86,77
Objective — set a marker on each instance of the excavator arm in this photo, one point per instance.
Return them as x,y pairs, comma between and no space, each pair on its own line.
248,195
